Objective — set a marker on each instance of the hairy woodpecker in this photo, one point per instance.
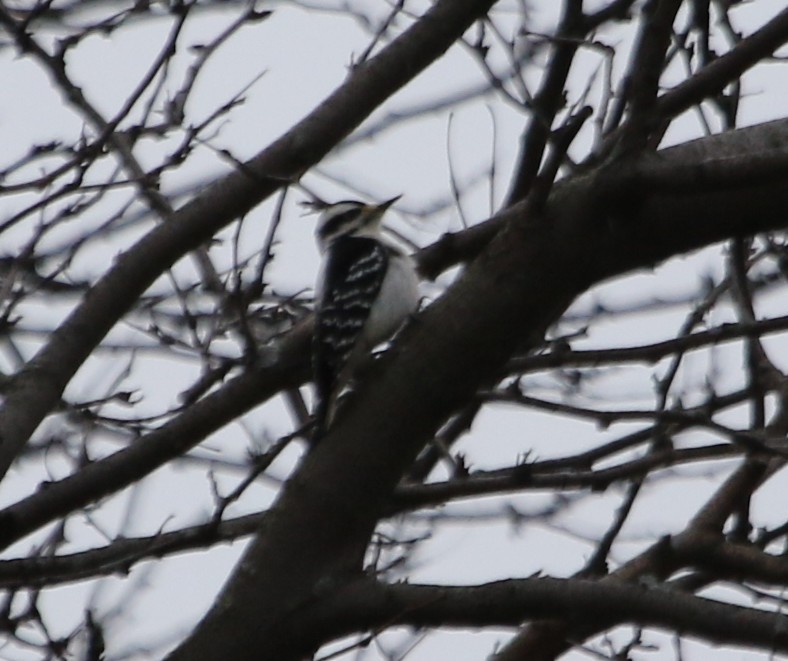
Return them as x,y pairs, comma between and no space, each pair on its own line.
367,289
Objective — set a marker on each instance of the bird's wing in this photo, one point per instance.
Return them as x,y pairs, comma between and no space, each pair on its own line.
352,277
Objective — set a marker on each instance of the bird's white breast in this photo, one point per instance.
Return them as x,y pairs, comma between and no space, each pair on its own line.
399,297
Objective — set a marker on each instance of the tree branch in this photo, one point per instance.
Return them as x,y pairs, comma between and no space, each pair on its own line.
115,472
713,78
365,604
648,353
121,555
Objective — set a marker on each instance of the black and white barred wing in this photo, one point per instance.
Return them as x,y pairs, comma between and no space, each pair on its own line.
352,279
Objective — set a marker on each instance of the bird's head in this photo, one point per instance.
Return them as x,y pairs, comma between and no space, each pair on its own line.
349,218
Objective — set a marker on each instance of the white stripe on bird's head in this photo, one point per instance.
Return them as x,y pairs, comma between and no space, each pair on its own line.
350,218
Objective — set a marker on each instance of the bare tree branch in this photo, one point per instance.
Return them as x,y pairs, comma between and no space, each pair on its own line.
510,602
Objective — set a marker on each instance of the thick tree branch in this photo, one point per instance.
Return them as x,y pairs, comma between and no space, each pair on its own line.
711,165
715,556
364,605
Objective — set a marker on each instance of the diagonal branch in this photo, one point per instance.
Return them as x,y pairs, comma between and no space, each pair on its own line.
727,68
547,102
122,554
646,68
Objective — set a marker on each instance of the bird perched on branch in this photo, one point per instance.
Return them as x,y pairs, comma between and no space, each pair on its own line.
367,288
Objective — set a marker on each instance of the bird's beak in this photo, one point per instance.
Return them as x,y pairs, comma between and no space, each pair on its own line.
382,207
